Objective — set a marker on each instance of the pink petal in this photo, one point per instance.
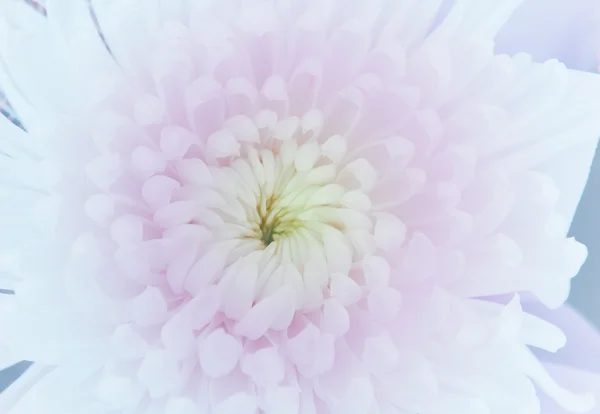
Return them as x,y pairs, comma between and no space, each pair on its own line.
275,312
219,353
265,366
240,403
159,373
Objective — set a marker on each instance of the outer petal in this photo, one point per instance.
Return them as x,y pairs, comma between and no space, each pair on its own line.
39,56
575,367
47,390
570,170
582,350
570,378
20,386
564,152
568,30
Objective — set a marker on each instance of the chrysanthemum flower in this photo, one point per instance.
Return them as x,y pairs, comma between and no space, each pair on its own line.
285,207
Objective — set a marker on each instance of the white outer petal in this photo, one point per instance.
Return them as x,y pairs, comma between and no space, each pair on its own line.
566,154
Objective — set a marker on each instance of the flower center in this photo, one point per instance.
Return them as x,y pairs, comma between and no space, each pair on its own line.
286,203
289,209
275,222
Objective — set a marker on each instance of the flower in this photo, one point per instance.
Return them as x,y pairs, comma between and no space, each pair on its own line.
313,207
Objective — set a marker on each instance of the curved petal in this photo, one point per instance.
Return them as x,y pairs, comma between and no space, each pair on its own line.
573,379
49,390
139,21
39,56
564,151
570,170
582,350
20,386
567,30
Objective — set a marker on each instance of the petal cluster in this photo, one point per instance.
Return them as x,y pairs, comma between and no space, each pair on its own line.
273,207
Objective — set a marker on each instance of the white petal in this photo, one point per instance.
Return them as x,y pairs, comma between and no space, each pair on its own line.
312,121
572,378
477,18
306,156
565,154
286,129
266,119
335,148
337,252
570,401
36,65
293,278
364,172
356,200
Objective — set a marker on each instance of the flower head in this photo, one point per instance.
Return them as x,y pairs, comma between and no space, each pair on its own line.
285,207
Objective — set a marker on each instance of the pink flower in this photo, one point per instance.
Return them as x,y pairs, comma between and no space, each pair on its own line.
303,207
